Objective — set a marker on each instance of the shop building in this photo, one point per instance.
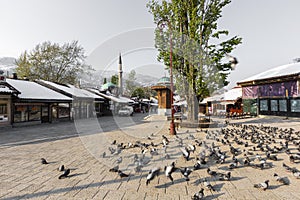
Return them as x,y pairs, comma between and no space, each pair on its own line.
25,102
273,92
85,104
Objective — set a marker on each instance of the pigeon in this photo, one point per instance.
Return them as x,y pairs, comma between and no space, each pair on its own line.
104,154
233,61
190,136
225,177
198,195
296,173
65,174
293,158
272,157
186,172
112,150
152,173
44,161
165,141
247,161
234,151
61,168
283,180
208,186
119,160
153,152
185,153
138,168
121,174
234,164
210,172
169,170
197,165
288,168
191,148
114,169
263,185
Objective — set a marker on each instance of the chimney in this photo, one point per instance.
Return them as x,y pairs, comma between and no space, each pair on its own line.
15,76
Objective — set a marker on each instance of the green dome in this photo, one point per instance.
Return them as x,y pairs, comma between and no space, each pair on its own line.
107,85
164,80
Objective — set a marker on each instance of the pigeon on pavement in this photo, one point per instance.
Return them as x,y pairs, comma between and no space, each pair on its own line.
65,174
263,185
44,161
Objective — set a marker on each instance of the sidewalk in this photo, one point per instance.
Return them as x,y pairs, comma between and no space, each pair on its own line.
22,175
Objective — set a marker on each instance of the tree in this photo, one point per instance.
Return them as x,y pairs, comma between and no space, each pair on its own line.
138,92
198,64
114,79
53,62
130,84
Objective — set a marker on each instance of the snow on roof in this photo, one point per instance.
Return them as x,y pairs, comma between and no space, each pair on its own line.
217,97
72,90
231,95
283,70
119,99
32,90
5,89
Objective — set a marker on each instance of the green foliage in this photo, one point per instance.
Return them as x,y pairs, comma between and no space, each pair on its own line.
197,53
138,92
53,62
114,79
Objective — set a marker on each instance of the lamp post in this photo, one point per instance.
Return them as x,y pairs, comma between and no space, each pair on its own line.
161,25
287,99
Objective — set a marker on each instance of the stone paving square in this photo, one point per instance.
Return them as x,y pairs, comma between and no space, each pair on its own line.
23,176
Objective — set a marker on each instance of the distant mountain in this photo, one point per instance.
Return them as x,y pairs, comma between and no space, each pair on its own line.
97,78
7,64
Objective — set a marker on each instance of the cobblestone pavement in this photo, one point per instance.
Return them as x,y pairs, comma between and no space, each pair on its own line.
22,175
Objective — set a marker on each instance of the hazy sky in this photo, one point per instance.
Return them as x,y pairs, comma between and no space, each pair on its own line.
269,29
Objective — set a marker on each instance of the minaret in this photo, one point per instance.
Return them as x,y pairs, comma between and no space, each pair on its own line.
120,76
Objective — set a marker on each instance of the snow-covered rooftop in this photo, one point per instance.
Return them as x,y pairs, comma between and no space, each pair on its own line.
283,70
119,99
72,90
32,90
5,89
231,95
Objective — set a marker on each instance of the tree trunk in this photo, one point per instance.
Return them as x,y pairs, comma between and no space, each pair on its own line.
193,106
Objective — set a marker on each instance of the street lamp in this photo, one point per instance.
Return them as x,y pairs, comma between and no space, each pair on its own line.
161,25
287,99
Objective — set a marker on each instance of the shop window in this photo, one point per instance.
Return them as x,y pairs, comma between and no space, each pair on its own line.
295,105
263,105
45,112
21,113
3,113
54,112
282,105
274,105
64,110
34,113
3,109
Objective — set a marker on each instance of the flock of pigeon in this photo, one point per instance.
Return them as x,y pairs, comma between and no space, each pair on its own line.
233,146
61,168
